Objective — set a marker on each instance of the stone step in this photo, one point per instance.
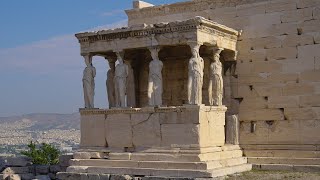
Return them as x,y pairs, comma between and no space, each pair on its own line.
176,157
282,153
159,164
231,170
281,160
287,167
139,171
160,172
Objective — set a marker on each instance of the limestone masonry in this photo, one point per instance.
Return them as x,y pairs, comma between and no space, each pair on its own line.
204,88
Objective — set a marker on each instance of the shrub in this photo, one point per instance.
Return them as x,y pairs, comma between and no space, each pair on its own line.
44,154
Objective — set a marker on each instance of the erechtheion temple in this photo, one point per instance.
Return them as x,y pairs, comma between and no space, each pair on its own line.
204,88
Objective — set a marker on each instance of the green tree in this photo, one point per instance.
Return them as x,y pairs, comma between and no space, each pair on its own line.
44,154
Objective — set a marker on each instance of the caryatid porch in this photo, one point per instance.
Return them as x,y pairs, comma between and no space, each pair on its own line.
167,117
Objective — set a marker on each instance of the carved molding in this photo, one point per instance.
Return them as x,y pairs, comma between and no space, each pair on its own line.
88,112
192,25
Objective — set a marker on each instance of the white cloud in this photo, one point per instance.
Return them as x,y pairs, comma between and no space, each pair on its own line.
51,55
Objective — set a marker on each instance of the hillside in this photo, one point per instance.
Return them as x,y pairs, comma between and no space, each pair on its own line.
61,130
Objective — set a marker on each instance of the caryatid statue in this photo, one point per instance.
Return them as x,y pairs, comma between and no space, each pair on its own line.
110,83
120,81
216,81
155,87
88,82
131,95
195,75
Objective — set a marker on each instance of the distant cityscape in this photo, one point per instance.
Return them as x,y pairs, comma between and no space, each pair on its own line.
16,133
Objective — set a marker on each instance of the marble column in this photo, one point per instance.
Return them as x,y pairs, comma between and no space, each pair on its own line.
89,74
155,86
215,88
110,82
195,75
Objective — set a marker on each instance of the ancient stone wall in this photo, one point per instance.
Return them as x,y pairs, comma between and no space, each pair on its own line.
277,78
22,168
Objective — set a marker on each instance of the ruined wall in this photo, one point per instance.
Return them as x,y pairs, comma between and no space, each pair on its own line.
278,70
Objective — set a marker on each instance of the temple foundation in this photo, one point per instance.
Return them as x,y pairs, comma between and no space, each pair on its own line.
183,141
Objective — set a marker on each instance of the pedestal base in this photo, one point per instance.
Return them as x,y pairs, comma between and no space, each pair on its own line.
186,141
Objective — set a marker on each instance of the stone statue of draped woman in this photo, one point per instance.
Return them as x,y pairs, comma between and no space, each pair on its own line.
110,84
89,74
195,76
216,81
120,81
155,87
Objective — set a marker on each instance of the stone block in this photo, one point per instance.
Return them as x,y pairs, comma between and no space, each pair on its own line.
280,5
310,76
104,176
253,103
81,155
294,89
268,90
64,159
267,42
316,37
18,161
251,9
151,127
297,40
232,129
270,18
277,134
309,130
309,51
282,53
93,176
42,177
261,115
15,170
310,101
317,63
283,101
54,168
42,169
253,55
310,26
258,136
120,177
12,177
211,134
307,3
299,113
316,13
89,137
180,134
283,29
119,156
297,15
119,130
297,65
267,66
27,176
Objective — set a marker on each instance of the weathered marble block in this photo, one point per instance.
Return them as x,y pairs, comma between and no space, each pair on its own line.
182,126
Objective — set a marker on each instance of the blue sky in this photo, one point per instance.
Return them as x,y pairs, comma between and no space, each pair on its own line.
41,67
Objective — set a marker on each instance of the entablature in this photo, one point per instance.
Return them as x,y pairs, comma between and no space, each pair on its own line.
197,29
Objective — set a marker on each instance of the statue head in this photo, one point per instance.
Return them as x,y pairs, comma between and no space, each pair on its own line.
120,56
216,54
88,60
195,47
154,53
